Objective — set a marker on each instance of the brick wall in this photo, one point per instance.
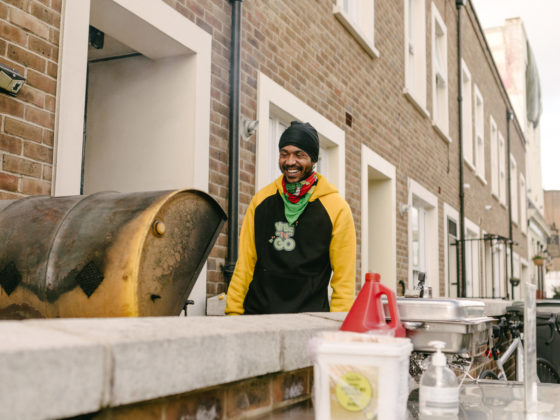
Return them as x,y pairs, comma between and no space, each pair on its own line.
237,400
305,49
29,37
302,47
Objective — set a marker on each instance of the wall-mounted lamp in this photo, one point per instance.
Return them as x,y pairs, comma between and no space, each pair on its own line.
488,207
403,208
10,80
249,127
466,186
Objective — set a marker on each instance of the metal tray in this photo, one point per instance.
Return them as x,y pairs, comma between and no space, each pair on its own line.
459,336
417,309
459,323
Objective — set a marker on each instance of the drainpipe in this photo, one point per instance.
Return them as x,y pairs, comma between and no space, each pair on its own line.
233,184
509,117
459,4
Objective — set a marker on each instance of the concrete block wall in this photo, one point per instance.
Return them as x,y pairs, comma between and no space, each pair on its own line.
62,368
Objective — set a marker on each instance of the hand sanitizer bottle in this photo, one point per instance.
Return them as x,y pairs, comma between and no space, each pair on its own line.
439,388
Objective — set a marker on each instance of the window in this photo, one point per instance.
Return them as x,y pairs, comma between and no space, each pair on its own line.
423,240
522,204
479,135
472,259
419,240
357,16
276,108
498,273
439,73
415,52
276,128
502,168
466,113
514,193
450,250
494,167
517,267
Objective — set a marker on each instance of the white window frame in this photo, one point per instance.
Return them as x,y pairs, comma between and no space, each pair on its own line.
479,145
440,83
415,54
502,168
467,115
273,99
523,204
494,165
358,17
372,161
419,194
514,191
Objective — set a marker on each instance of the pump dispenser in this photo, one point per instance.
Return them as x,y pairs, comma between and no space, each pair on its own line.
439,388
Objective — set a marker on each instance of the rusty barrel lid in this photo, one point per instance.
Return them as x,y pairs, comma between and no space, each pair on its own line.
106,254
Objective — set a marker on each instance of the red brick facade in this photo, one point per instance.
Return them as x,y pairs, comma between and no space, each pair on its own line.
29,44
302,47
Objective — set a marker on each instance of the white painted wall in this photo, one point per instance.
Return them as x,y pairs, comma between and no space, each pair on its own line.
378,222
138,112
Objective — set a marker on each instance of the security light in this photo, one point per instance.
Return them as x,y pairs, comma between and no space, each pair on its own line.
10,80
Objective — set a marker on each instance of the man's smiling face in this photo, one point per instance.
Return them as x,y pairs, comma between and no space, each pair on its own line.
295,163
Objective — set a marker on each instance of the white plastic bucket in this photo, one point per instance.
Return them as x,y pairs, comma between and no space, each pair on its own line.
360,376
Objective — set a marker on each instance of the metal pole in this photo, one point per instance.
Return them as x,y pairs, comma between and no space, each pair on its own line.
492,264
509,117
233,184
463,282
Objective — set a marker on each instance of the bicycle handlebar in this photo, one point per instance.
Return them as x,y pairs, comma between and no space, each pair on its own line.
514,323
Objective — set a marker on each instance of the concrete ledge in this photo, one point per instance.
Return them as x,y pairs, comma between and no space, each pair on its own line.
65,367
49,374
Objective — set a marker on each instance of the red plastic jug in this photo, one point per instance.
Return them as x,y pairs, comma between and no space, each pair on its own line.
367,312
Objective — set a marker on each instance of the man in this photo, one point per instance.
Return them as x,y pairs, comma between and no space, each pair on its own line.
297,232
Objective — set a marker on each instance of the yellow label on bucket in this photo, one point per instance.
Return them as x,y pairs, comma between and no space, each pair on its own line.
353,391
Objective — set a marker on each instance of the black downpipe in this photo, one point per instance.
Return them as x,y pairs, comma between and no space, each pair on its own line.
463,282
509,117
233,185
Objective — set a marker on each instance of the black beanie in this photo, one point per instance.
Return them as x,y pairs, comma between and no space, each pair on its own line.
301,135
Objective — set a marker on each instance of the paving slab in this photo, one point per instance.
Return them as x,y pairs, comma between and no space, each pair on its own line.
49,374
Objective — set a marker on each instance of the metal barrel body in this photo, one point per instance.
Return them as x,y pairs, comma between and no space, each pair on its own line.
104,255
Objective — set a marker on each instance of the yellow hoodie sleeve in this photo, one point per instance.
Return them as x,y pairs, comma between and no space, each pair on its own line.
245,266
343,259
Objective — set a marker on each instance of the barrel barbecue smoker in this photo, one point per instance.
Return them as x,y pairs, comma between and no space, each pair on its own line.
104,255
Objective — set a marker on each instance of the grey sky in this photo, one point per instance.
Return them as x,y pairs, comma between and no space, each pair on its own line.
540,18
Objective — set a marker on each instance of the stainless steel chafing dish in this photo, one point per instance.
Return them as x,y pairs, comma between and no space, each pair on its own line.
460,323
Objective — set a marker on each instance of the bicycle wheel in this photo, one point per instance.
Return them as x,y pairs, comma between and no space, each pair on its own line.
488,374
546,372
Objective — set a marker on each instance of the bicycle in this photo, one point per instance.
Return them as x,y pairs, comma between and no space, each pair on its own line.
513,323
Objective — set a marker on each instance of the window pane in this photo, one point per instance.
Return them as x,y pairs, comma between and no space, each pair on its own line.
415,237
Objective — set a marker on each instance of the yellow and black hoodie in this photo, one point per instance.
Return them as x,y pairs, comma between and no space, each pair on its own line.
285,268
